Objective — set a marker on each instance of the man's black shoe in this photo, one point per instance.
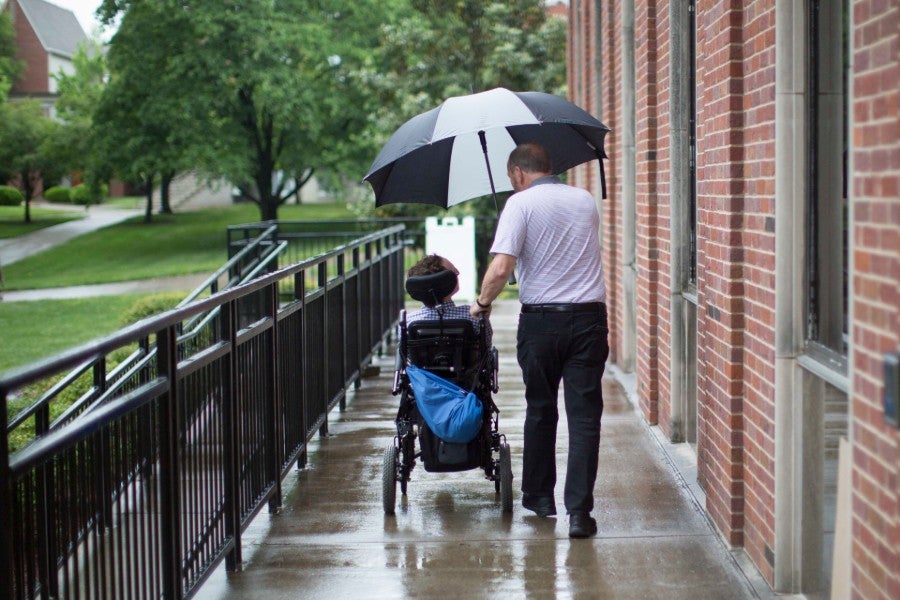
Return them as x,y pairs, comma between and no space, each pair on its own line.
542,506
582,525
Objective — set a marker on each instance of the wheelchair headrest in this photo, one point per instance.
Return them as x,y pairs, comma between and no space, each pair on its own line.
431,288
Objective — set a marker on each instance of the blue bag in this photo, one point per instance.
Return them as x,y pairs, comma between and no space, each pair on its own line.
452,413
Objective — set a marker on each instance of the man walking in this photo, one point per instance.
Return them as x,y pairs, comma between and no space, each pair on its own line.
550,231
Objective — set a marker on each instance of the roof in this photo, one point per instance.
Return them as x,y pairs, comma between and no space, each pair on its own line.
57,28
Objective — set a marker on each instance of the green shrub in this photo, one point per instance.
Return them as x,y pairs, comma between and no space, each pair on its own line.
58,194
10,196
81,194
149,306
84,195
29,394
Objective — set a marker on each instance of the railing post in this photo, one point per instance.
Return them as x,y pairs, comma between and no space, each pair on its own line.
145,440
6,492
358,350
370,335
169,476
397,285
46,547
231,450
323,284
274,422
300,294
342,278
99,372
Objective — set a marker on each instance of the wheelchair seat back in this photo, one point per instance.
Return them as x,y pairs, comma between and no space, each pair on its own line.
447,347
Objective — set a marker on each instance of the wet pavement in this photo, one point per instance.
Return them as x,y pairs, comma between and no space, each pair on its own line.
449,538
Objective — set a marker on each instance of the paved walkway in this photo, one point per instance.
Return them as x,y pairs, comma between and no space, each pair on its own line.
15,249
178,283
449,538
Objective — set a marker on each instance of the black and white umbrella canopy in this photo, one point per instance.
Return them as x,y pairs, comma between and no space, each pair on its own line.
439,157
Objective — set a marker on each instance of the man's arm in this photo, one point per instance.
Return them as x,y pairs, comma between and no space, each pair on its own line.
496,277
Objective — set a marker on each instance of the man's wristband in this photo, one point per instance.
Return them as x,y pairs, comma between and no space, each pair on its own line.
478,302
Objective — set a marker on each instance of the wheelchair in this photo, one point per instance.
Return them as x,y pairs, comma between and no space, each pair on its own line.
455,350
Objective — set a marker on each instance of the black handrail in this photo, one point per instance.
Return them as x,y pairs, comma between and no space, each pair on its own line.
142,495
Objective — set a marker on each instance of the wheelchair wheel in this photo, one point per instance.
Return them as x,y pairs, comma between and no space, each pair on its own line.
504,465
389,479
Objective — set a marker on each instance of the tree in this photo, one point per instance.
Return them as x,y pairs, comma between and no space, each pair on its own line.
74,148
268,83
23,131
147,120
10,68
445,49
442,49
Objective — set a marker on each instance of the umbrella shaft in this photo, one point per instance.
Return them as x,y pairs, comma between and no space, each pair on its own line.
487,162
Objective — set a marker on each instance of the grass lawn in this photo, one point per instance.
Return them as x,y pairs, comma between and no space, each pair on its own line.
191,242
12,222
30,331
126,202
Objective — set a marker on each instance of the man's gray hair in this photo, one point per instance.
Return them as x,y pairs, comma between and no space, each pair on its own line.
531,158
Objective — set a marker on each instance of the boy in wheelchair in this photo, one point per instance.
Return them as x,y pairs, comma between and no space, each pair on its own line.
442,339
431,281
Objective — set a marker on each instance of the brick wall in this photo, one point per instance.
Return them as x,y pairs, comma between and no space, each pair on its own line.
720,206
602,46
648,225
753,375
875,326
736,256
35,75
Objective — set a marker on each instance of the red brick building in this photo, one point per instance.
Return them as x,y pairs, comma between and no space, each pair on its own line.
752,243
47,37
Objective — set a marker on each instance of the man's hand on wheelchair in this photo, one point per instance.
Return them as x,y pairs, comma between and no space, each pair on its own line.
478,308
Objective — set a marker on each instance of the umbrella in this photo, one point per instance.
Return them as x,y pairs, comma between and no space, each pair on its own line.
449,154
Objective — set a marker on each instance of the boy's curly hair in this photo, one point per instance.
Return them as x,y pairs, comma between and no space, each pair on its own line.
428,265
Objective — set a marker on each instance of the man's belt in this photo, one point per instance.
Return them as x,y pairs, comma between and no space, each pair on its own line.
583,307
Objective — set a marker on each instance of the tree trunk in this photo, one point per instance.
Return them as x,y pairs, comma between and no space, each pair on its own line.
28,192
165,183
148,211
268,209
268,205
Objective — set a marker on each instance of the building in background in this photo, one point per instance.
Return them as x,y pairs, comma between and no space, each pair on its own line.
752,244
47,37
558,9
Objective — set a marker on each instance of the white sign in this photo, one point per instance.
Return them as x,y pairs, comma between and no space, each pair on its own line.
455,241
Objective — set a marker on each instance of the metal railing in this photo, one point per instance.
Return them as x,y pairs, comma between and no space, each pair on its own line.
310,237
106,383
142,495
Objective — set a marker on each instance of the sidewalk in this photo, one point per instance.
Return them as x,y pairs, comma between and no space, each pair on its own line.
15,249
178,283
449,537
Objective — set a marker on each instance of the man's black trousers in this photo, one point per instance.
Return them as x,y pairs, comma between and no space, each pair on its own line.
572,347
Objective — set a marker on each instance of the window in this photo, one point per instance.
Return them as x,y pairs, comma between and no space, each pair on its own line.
826,204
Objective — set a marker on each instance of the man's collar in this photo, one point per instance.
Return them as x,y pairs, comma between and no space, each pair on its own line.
543,180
